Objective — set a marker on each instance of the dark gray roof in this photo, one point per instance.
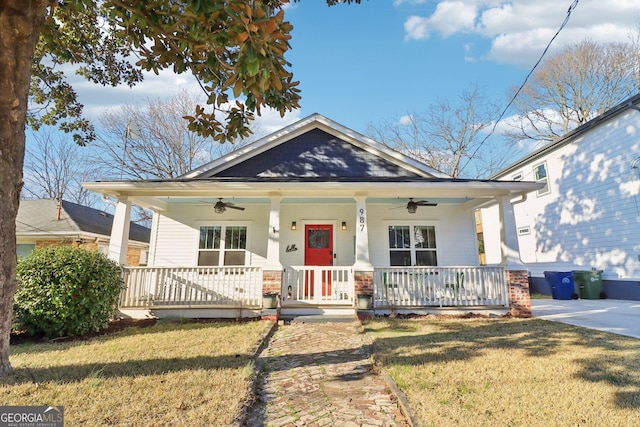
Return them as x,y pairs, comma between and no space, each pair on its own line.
41,216
316,154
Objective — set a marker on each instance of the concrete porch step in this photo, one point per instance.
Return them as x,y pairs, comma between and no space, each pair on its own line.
320,318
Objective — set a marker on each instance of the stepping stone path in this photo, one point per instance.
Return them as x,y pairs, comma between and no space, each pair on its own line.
321,374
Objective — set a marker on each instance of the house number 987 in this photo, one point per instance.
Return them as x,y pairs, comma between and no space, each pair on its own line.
361,219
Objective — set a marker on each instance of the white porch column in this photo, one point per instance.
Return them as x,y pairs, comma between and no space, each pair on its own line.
273,244
509,246
119,242
362,236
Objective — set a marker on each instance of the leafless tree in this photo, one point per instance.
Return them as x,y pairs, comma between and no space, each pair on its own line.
573,86
55,166
451,137
152,140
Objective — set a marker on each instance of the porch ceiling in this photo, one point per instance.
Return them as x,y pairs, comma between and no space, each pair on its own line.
159,195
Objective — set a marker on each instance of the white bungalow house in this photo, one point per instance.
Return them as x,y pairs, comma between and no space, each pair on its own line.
325,218
587,214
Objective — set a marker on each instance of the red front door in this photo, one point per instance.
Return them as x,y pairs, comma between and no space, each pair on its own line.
318,250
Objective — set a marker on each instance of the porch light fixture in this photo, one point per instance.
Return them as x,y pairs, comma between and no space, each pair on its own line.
294,227
343,227
412,208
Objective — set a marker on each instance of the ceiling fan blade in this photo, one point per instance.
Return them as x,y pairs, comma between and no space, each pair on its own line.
425,203
232,206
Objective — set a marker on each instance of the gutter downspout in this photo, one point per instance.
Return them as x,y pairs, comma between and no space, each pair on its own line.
523,198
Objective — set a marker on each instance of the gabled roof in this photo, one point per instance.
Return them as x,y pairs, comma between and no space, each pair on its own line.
314,157
630,103
315,147
40,217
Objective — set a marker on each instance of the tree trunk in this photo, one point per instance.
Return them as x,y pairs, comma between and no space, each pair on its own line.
20,25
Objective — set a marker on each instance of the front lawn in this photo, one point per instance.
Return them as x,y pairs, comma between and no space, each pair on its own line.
170,374
510,372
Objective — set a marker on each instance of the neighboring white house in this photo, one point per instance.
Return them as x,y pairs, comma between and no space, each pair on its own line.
587,215
325,218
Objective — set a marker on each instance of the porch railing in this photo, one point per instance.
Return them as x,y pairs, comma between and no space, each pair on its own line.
440,286
192,286
317,285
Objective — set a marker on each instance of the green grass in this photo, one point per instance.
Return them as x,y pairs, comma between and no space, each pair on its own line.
171,374
540,296
510,372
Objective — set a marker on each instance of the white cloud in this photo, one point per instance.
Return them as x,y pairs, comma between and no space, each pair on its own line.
98,99
451,17
406,120
270,121
467,52
416,28
520,29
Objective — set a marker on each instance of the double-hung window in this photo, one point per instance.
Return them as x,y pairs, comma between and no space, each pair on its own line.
540,174
412,245
222,245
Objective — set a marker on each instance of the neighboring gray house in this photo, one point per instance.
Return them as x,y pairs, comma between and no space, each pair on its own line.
587,215
48,222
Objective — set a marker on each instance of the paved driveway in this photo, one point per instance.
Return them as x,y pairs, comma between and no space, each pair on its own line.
610,315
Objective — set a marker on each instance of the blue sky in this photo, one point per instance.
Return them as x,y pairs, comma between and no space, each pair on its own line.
382,59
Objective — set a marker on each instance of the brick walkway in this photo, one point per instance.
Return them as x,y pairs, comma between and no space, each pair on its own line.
321,374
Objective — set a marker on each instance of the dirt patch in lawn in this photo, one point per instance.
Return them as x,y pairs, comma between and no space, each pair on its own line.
114,327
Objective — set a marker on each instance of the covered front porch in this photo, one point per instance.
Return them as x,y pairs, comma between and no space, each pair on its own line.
238,291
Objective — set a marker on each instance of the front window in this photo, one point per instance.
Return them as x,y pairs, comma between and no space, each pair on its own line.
412,245
222,245
24,249
540,174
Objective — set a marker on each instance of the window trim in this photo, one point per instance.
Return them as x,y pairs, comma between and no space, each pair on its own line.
546,181
223,226
412,248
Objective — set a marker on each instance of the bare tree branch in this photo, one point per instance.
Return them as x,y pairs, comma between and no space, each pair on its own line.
449,134
55,165
152,140
573,86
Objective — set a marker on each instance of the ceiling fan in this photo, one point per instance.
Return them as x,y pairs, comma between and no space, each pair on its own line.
412,206
221,206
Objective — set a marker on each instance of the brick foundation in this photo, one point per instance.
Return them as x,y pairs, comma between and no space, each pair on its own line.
518,282
271,281
363,282
271,284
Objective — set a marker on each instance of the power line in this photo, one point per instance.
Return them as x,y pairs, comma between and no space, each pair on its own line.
572,7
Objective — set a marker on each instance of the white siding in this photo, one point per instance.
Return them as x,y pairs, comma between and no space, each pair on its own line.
455,232
590,218
176,231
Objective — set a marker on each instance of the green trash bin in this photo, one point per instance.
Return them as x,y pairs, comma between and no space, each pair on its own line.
589,284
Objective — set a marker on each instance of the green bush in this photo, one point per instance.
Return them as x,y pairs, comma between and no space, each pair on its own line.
66,291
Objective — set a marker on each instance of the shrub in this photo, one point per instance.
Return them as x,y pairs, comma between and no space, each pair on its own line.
66,291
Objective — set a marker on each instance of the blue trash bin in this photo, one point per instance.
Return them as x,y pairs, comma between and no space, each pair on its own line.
561,283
